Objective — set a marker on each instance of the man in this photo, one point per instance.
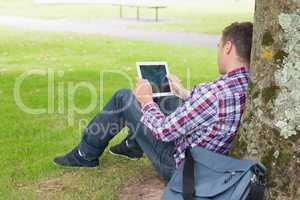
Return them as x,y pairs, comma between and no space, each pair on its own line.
164,128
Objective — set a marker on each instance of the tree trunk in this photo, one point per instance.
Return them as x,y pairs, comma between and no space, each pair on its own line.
270,126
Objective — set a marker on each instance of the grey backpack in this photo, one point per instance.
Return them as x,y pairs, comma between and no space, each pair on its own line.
205,175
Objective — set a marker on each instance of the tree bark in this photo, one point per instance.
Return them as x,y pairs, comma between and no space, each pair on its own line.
270,126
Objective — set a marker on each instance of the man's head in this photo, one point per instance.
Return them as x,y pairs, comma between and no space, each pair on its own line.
234,48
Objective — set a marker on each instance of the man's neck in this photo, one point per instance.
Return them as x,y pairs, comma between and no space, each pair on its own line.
235,65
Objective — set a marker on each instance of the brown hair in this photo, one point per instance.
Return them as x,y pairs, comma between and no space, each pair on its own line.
240,34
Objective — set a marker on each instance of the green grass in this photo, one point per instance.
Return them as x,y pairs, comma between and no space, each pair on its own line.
29,142
186,15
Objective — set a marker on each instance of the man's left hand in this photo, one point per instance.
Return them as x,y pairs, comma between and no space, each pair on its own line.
143,92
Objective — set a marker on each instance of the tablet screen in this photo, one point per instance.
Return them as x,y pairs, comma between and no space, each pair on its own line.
157,76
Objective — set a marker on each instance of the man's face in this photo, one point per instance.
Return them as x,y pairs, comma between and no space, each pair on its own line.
221,57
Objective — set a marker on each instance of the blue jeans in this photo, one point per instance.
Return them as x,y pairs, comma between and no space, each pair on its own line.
123,110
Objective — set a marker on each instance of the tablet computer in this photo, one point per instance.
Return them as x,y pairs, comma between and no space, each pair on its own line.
156,73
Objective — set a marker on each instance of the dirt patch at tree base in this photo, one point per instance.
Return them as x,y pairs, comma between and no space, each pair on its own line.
75,184
144,187
55,187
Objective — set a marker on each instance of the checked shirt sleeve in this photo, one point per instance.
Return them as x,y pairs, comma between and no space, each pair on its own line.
201,109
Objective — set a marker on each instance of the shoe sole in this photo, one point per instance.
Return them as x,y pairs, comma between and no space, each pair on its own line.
72,167
123,156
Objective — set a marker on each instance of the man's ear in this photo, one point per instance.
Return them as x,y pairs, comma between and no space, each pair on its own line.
228,47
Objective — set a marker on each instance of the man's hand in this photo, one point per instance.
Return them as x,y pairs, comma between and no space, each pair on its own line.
143,92
177,87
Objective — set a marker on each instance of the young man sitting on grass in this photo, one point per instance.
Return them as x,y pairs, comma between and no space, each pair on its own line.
163,128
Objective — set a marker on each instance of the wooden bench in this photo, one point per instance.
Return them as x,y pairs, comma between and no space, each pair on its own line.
121,4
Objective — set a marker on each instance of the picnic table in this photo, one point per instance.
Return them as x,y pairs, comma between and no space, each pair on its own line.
156,5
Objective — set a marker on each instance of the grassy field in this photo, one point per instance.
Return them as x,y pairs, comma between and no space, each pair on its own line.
181,15
30,141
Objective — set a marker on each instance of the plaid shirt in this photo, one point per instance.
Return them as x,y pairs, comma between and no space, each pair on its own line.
209,118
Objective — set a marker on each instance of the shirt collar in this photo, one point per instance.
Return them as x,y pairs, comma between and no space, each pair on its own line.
240,70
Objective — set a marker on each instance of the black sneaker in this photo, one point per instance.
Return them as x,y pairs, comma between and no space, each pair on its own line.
132,153
73,159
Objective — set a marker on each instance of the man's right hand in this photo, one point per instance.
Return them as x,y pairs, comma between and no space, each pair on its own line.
177,87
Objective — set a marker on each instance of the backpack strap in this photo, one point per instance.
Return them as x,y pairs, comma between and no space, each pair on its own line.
188,186
257,188
257,192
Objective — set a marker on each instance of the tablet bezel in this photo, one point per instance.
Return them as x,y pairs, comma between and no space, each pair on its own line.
138,66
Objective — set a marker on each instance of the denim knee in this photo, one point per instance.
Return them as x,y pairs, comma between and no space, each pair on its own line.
124,92
127,97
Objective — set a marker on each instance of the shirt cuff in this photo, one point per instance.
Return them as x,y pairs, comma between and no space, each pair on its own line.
148,106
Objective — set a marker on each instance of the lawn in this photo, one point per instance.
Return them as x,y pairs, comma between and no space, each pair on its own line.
181,15
30,141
